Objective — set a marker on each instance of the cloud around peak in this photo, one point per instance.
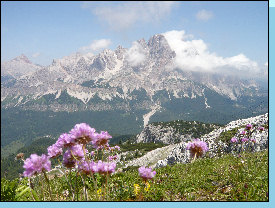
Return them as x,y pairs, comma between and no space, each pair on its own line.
194,55
136,54
97,45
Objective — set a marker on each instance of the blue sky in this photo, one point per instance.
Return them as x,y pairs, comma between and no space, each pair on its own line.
48,30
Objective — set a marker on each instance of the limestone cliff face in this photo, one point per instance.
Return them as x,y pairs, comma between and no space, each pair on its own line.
177,153
173,132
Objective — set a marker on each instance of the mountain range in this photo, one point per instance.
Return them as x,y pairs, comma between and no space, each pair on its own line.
136,85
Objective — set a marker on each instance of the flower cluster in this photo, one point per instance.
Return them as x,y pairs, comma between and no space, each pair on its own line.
36,164
54,151
73,147
234,140
72,155
104,167
197,148
112,157
75,153
146,173
86,167
261,129
101,140
244,140
82,133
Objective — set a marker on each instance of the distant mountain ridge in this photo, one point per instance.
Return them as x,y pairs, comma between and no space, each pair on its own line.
18,67
141,80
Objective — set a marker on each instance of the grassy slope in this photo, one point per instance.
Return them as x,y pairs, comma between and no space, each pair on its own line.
208,179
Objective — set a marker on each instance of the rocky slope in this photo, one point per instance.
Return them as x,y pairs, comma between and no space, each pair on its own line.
173,132
177,153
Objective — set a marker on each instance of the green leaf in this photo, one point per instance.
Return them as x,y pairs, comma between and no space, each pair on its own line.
22,192
35,195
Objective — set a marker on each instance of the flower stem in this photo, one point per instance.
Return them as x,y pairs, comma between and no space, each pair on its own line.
107,180
95,183
49,186
66,177
31,188
195,156
71,183
41,187
84,187
76,185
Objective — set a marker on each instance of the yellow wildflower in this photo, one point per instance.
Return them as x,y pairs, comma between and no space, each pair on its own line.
147,187
99,192
136,189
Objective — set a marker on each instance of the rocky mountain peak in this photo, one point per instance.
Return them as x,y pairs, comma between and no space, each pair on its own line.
159,47
18,66
23,58
142,42
120,51
157,41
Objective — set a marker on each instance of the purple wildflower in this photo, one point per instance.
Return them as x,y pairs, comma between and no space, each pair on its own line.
86,167
101,140
117,147
112,157
36,164
197,147
253,140
65,140
244,140
248,126
103,167
54,151
68,160
261,128
82,133
77,151
72,154
146,173
243,132
234,140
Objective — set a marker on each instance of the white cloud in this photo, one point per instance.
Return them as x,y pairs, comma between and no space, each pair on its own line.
97,45
35,55
136,54
204,15
266,64
124,15
193,55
